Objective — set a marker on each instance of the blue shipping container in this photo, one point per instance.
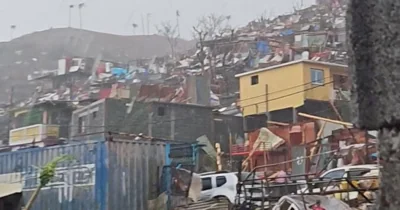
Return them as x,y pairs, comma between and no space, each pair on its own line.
104,176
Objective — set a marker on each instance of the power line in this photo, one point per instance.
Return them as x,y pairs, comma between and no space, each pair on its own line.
108,126
282,90
174,120
154,122
321,111
287,95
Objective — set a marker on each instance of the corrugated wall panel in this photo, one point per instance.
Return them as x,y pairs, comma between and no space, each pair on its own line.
134,170
77,185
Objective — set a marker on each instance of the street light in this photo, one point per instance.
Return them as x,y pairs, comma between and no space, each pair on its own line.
80,6
69,16
12,29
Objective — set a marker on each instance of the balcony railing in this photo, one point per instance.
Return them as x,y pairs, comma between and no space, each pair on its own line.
240,148
33,133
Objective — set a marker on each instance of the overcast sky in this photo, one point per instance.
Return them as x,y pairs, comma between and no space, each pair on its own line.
117,16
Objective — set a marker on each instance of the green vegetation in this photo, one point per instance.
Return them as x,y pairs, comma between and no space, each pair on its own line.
46,174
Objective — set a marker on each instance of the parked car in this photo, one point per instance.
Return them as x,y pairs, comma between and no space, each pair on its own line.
342,172
218,185
224,185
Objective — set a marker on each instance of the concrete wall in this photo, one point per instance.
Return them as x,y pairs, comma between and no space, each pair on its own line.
161,120
274,90
285,86
93,117
181,122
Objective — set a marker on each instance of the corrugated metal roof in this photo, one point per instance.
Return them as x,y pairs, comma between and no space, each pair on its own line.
209,205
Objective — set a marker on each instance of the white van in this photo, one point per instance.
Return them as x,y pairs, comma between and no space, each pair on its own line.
218,185
224,185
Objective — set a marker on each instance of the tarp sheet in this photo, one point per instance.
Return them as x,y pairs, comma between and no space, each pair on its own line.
268,140
208,148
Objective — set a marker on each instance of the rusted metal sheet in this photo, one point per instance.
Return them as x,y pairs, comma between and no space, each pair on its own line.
209,205
134,170
307,131
348,135
275,159
160,93
299,160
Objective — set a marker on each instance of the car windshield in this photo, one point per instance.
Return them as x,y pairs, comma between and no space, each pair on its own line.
334,174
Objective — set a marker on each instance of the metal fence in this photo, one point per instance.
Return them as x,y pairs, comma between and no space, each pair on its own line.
181,162
182,154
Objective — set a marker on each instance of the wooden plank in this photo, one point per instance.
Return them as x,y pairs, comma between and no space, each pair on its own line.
326,119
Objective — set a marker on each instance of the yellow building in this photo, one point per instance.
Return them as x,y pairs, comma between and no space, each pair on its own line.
289,85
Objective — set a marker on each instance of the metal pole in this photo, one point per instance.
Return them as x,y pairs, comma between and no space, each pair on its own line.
230,148
80,17
177,22
11,104
69,15
142,24
80,6
148,23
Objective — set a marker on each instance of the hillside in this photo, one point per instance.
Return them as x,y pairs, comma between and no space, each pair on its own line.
28,53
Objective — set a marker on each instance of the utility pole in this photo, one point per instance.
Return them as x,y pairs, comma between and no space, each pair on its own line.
12,29
69,14
10,106
219,154
148,23
141,15
178,14
373,35
134,26
11,97
80,6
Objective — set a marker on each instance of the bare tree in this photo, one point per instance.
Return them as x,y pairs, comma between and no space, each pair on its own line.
201,55
297,5
210,27
214,25
170,32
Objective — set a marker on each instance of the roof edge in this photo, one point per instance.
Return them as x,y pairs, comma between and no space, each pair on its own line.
288,64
